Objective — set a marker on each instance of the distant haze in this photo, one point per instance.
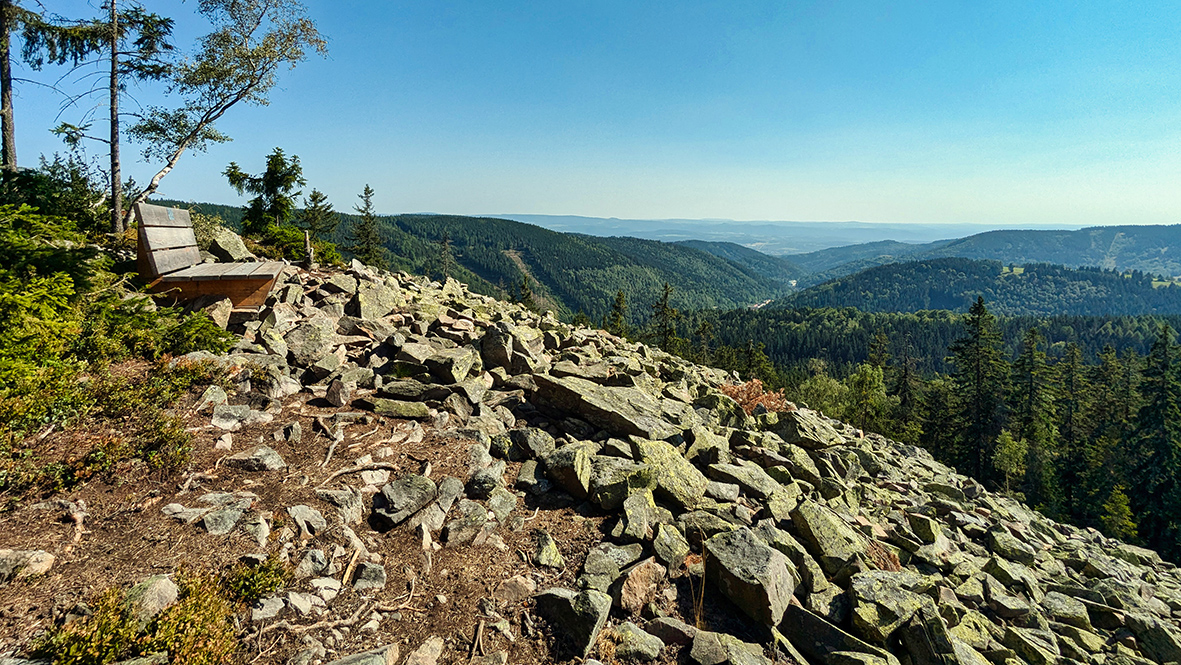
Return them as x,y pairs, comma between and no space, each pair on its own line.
769,237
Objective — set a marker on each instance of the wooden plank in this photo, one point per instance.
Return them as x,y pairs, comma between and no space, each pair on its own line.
201,271
171,260
240,270
241,292
167,237
270,269
150,215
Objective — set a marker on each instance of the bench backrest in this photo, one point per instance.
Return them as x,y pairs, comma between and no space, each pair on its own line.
166,240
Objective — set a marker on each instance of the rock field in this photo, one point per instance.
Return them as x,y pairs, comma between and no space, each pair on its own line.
607,500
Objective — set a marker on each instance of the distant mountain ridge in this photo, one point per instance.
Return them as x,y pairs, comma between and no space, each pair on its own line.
954,283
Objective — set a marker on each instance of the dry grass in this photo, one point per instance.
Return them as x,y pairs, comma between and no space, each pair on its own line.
752,393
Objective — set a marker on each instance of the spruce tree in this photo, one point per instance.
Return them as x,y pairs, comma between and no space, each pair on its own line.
364,237
446,259
1074,431
907,391
879,350
525,294
1032,421
318,218
616,320
664,321
978,391
274,191
1009,457
1157,500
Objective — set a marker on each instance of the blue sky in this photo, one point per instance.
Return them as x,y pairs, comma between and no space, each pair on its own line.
986,112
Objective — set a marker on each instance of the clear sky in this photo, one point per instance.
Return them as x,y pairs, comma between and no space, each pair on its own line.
950,111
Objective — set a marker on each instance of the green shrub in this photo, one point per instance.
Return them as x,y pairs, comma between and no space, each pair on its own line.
247,584
198,629
106,636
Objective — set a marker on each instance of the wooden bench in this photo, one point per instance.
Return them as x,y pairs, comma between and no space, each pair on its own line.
168,259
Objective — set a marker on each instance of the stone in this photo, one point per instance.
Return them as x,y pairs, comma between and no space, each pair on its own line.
451,365
670,546
267,608
233,418
311,340
1037,647
816,638
639,516
927,529
375,300
393,408
222,521
620,410
828,537
576,617
1159,640
640,584
881,604
258,458
711,648
471,520
150,597
400,499
228,247
570,468
671,631
757,578
427,653
340,392
726,492
515,589
313,563
502,503
308,519
1005,545
747,475
214,395
677,480
633,643
347,501
485,480
1065,609
546,552
528,443
807,429
369,576
384,655
614,479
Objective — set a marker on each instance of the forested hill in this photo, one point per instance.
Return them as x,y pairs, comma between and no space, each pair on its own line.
775,267
955,283
569,273
1152,249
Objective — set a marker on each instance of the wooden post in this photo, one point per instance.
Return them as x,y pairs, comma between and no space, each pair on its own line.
311,251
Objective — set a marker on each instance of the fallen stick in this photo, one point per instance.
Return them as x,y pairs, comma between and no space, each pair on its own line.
374,466
296,628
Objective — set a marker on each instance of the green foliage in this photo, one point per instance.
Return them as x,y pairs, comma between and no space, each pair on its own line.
955,283
1117,520
274,191
246,584
106,636
364,238
1009,457
868,405
317,217
978,389
198,629
62,188
664,320
615,322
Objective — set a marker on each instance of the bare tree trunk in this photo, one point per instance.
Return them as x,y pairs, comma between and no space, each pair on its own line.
8,145
117,224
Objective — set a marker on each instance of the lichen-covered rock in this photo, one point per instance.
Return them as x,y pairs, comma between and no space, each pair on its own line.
633,643
676,478
754,576
619,410
400,499
807,429
570,467
577,617
828,537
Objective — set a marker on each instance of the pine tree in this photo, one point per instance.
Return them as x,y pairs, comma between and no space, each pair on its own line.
525,294
879,350
364,237
1117,519
705,337
1032,419
940,432
616,320
318,218
1157,500
664,320
907,391
978,390
868,403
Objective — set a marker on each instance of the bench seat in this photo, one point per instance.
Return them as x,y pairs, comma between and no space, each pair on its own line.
170,262
227,271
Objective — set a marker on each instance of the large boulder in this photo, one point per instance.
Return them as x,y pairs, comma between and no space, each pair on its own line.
400,499
882,604
578,617
818,639
760,580
228,247
620,410
311,340
676,478
807,429
831,540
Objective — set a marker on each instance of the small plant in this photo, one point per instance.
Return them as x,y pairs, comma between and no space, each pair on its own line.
104,637
247,584
198,629
752,394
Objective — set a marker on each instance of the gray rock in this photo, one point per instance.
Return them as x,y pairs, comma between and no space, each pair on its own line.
747,475
267,608
222,521
451,365
486,480
347,501
309,520
1159,640
807,429
546,552
427,653
671,631
829,538
233,418
375,300
518,445
757,578
21,564
636,644
570,468
258,458
386,655
228,247
677,480
670,546
369,576
462,529
616,409
340,392
150,597
816,638
400,499
502,502
398,409
576,617
711,648
882,604
312,340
